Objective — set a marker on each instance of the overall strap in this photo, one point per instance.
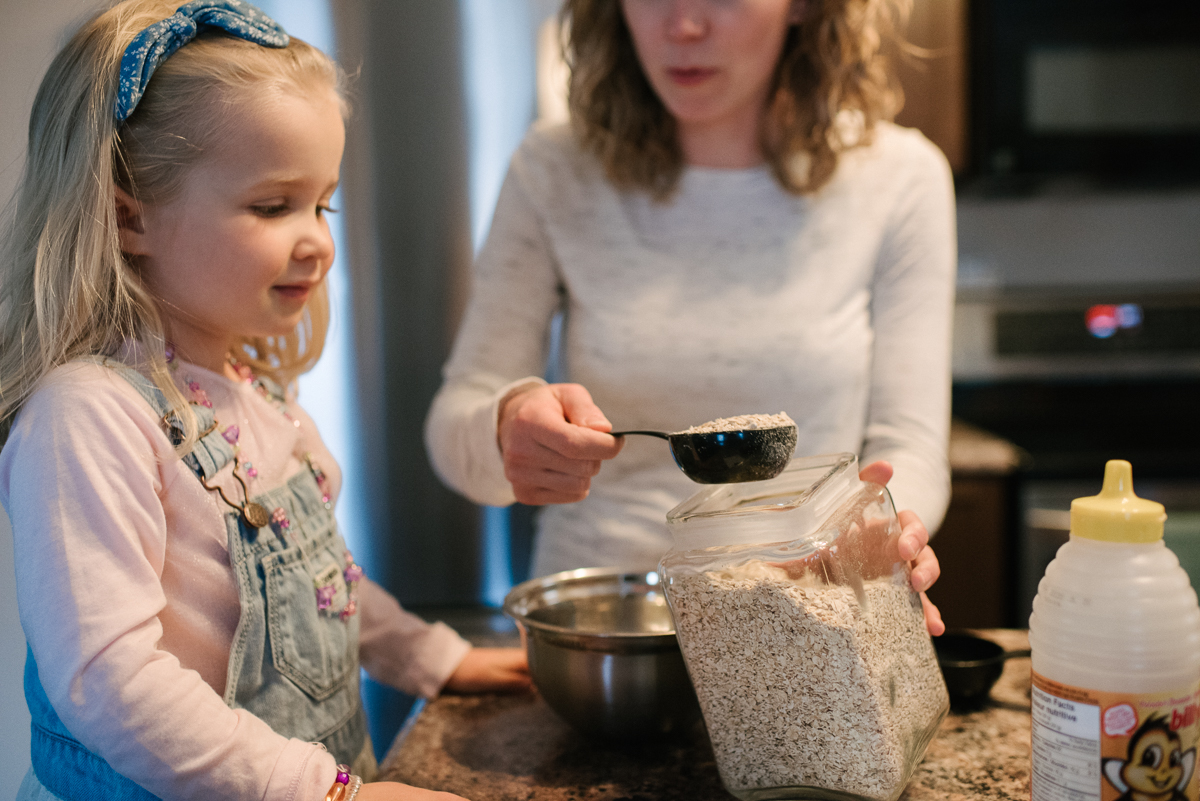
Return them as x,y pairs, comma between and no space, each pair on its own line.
211,451
270,388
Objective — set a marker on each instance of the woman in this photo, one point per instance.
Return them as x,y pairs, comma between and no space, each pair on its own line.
729,225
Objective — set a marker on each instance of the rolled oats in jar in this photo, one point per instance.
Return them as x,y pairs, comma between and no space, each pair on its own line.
802,635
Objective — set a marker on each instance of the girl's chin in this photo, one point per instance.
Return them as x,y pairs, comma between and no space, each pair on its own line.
290,307
282,324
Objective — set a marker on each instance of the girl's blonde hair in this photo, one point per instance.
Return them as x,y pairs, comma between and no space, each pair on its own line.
832,62
66,290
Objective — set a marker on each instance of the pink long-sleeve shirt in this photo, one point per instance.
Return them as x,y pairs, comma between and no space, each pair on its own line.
128,600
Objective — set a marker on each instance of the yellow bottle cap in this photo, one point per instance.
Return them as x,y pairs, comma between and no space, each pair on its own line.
1116,514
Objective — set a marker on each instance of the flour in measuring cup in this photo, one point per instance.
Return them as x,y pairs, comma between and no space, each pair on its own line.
742,422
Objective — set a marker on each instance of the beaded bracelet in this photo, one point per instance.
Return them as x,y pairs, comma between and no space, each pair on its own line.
341,789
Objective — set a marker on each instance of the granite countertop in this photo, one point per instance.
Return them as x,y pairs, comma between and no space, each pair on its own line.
514,747
974,451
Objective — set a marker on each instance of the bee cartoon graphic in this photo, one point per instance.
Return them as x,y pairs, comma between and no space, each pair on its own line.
1157,768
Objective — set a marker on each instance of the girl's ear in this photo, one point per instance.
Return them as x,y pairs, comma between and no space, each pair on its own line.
130,223
797,12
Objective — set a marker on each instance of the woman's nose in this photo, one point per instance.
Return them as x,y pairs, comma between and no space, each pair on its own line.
686,20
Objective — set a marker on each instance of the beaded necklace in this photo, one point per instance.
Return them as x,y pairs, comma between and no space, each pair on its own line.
255,514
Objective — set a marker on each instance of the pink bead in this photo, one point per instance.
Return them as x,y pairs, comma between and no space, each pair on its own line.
279,519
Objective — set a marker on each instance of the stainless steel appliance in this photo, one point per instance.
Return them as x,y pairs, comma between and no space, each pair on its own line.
1075,377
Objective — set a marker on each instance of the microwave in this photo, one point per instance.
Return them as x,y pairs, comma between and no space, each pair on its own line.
1108,89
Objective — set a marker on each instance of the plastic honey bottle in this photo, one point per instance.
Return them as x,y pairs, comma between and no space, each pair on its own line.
1115,635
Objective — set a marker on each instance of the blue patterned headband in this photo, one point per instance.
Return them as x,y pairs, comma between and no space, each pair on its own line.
157,42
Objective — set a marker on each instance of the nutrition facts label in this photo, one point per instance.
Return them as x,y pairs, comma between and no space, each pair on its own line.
1066,749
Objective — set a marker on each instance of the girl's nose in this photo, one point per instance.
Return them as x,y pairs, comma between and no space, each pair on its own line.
316,242
687,20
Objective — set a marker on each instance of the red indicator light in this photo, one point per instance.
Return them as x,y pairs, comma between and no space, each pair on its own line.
1101,321
1105,319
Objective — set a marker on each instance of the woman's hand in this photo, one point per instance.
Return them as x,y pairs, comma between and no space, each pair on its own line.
394,791
914,548
553,439
490,670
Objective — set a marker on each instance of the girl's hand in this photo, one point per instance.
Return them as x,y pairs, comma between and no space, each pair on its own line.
491,670
394,791
914,548
553,439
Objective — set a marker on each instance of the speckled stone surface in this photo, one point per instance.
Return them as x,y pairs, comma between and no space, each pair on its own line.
514,748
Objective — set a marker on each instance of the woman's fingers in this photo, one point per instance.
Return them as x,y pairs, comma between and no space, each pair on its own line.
553,439
579,409
925,570
876,473
529,455
543,416
913,535
933,618
913,545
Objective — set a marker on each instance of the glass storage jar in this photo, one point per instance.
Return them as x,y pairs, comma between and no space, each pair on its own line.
802,635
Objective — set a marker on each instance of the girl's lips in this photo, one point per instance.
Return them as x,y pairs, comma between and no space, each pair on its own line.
690,76
292,291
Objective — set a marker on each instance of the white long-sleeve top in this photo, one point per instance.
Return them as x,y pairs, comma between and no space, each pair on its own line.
128,600
734,297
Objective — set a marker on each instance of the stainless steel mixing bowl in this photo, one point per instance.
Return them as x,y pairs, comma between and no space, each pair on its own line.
602,652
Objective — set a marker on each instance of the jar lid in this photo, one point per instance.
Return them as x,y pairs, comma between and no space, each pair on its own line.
786,507
1116,514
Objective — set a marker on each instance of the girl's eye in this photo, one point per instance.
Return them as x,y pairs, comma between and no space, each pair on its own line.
323,209
272,210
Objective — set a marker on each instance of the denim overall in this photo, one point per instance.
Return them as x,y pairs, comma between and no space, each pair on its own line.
290,663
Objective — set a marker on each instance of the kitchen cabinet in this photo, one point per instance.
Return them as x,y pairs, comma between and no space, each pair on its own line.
976,543
933,75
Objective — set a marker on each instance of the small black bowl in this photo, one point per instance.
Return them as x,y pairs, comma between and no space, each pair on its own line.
971,666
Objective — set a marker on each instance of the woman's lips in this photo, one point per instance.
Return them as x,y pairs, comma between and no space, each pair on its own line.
690,76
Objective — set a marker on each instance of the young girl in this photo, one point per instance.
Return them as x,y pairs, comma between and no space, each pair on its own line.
195,624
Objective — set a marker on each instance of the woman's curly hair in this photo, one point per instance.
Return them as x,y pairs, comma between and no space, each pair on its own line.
832,62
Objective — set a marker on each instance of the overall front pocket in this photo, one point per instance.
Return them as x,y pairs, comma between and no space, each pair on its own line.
315,648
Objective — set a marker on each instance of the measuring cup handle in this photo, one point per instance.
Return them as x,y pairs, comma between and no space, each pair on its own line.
659,434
